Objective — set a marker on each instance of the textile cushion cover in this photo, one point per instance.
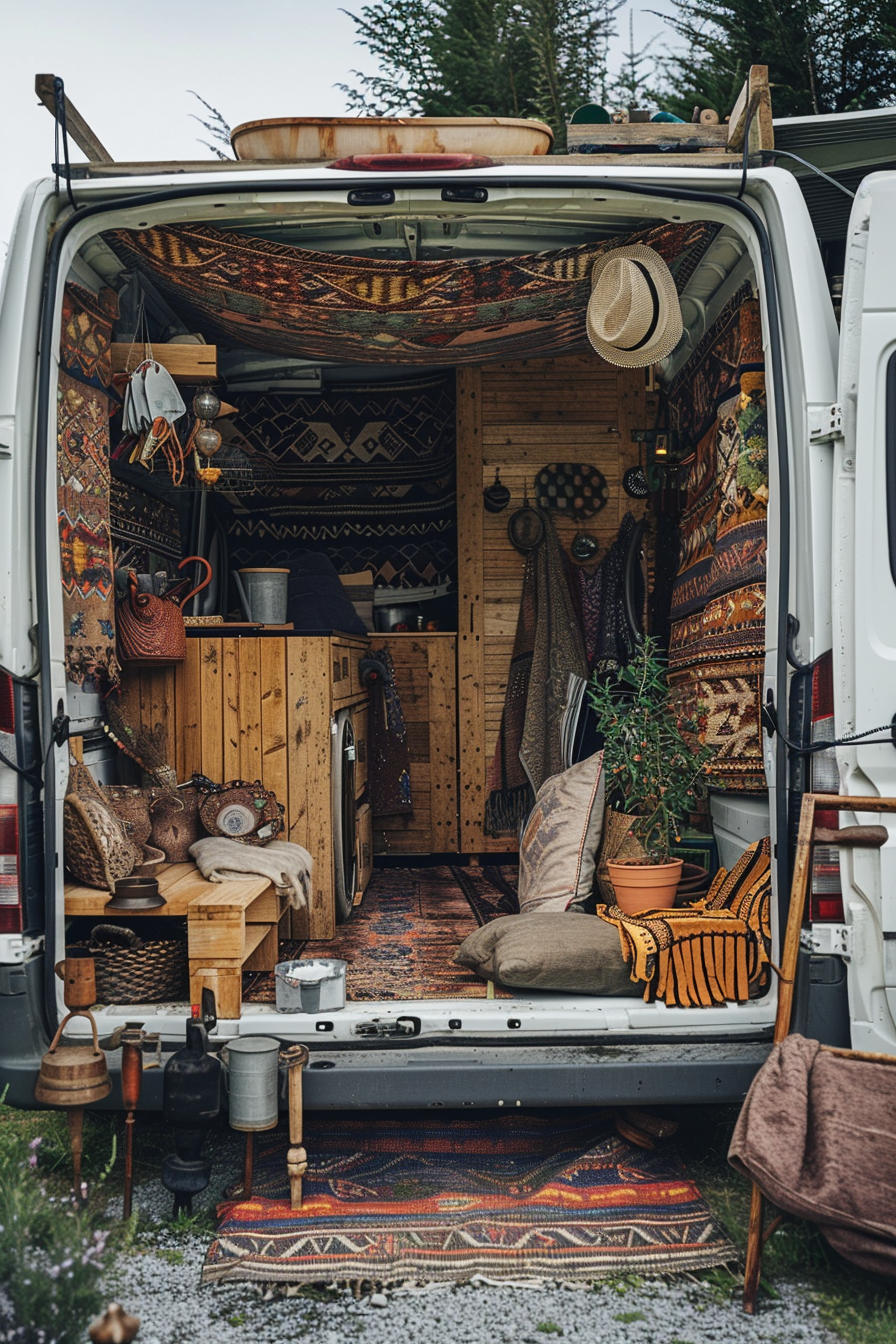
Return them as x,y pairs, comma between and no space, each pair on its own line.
559,848
542,951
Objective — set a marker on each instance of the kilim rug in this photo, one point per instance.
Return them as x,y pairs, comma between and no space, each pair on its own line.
399,943
272,296
557,1196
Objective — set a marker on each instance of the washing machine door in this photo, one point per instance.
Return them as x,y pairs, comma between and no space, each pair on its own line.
343,776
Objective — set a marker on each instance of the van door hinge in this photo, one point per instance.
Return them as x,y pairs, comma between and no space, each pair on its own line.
825,422
828,940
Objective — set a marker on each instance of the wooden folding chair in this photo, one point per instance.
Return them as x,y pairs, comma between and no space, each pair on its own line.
849,836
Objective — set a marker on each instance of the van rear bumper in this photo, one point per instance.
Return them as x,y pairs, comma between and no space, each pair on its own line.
481,1077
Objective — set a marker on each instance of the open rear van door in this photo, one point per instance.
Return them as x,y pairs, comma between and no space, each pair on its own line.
864,594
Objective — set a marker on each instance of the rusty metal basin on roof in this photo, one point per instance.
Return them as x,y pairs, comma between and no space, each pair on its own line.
294,139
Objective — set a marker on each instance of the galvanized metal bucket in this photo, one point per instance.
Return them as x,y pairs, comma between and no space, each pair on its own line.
251,1064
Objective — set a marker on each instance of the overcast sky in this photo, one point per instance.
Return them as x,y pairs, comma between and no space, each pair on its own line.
128,68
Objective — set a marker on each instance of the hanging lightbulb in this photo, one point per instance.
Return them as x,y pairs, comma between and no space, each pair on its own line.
207,440
206,404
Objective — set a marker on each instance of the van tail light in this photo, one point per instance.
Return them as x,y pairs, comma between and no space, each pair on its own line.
411,163
7,704
10,892
825,891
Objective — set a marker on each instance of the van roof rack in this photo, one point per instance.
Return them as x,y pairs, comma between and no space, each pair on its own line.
667,143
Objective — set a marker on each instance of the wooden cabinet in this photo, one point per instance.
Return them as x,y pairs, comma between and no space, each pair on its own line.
260,706
425,674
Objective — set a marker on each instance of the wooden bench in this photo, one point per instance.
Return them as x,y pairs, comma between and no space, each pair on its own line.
231,926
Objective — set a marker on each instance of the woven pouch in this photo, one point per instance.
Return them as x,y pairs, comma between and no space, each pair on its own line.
98,850
131,805
618,845
129,970
175,822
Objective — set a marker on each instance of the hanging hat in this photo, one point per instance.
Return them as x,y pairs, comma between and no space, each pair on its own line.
634,316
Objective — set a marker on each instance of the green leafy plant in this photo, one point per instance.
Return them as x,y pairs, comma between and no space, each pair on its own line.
654,763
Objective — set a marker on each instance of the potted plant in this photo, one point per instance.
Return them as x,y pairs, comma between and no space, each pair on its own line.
655,768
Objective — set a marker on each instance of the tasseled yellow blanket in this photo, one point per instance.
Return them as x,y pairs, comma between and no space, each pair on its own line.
711,952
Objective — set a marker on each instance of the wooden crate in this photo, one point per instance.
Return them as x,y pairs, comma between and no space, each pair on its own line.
426,680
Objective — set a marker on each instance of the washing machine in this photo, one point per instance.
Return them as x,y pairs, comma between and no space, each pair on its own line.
344,813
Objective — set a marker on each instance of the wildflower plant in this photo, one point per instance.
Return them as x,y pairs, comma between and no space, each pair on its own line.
52,1252
654,763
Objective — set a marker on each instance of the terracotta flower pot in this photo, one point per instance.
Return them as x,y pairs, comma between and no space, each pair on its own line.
645,886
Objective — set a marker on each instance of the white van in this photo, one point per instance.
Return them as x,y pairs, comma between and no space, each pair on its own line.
827,669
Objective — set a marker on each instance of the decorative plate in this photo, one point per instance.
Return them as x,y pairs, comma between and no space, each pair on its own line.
249,813
576,489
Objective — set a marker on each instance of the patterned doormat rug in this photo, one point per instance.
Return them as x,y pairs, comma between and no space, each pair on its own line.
556,1196
399,943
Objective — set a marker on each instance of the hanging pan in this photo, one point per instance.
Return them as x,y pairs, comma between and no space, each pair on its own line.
526,527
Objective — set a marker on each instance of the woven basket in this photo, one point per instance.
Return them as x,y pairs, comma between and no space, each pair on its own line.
98,850
131,805
129,970
175,822
617,845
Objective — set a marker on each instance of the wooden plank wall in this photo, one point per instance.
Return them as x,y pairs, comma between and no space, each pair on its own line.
425,677
252,708
519,417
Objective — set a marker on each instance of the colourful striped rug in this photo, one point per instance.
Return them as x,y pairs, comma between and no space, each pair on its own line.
557,1195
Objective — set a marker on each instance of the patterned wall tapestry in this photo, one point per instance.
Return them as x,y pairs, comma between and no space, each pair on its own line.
82,468
717,647
294,301
364,474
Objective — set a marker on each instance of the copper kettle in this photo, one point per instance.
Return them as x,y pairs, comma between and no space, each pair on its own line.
151,629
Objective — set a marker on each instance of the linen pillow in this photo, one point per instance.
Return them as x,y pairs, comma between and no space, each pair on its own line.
558,851
539,951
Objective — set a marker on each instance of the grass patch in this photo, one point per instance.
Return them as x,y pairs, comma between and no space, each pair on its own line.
857,1306
627,1317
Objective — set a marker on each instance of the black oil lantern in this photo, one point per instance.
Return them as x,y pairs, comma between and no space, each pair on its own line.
191,1101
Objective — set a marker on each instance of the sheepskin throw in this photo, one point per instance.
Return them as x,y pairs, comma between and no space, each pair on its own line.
287,865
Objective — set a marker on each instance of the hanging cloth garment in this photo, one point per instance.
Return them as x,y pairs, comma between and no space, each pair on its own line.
389,765
548,646
609,636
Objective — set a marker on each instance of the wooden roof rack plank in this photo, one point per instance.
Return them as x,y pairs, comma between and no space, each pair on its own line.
78,129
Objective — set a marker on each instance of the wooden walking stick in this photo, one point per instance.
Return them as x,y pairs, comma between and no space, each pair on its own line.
295,1058
131,1079
864,837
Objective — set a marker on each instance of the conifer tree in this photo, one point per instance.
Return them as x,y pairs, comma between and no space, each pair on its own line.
822,55
511,58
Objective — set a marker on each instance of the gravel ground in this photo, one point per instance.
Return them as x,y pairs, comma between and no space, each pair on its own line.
158,1280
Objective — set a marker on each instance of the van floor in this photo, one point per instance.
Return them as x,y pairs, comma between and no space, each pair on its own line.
400,942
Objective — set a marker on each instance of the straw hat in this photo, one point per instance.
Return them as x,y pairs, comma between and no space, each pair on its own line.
634,316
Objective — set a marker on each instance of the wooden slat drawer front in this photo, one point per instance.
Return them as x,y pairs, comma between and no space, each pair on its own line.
360,720
345,657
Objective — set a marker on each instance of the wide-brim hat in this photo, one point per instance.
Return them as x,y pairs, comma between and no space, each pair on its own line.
634,314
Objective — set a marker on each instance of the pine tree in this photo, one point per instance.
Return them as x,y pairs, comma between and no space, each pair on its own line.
510,58
822,55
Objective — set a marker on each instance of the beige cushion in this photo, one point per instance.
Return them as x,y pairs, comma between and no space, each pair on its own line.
558,851
580,955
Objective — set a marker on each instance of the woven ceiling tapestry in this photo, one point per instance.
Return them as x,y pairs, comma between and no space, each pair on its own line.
364,474
293,301
717,647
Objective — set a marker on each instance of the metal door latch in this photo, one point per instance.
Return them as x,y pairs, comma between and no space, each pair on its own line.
828,940
399,1026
